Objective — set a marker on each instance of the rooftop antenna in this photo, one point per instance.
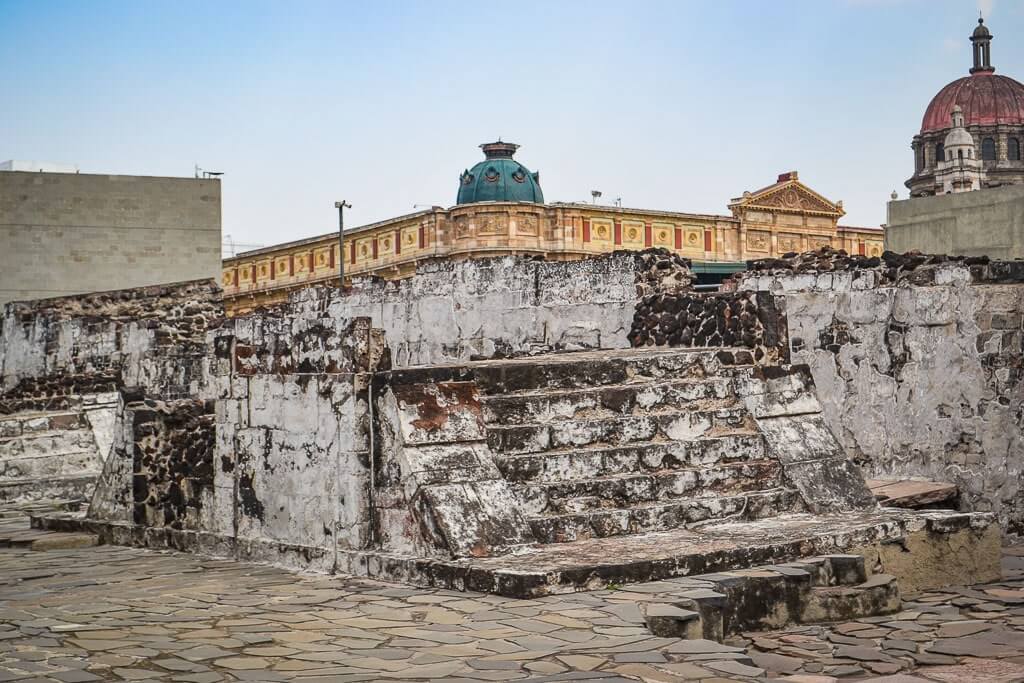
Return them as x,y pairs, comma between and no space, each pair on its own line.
199,172
595,194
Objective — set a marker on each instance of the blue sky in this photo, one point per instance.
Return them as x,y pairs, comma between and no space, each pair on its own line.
669,105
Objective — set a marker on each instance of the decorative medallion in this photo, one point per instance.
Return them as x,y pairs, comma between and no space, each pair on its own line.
228,278
519,176
491,175
819,242
462,228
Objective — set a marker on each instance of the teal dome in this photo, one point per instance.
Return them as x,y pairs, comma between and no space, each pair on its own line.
499,178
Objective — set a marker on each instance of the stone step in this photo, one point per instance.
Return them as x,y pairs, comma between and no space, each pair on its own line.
660,516
579,370
607,401
47,442
50,464
17,424
584,370
70,487
713,606
671,426
651,456
624,490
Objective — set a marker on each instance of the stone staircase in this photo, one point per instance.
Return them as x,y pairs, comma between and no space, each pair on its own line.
816,589
50,454
580,470
660,442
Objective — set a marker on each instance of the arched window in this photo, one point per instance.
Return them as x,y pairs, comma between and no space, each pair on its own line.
940,152
1013,149
988,149
960,155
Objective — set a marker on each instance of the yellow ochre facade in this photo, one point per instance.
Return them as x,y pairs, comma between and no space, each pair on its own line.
786,216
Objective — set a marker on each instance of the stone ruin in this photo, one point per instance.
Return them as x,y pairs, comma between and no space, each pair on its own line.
524,427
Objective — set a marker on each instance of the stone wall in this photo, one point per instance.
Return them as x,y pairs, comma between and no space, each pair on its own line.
917,362
151,337
111,362
66,233
492,308
750,320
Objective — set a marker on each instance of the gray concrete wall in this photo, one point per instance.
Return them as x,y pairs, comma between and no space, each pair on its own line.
65,233
983,223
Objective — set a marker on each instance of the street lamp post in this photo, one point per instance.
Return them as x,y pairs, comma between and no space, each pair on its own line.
341,206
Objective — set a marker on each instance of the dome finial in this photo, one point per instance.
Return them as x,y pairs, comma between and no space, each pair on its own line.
982,40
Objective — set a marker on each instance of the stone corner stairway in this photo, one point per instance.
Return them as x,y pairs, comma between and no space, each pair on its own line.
55,454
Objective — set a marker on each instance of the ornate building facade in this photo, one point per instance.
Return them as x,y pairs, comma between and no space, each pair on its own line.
972,130
501,210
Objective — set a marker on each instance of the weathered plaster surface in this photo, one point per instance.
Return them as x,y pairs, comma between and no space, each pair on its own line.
918,377
500,307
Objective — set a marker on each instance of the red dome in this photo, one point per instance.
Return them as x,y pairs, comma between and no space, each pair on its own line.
986,99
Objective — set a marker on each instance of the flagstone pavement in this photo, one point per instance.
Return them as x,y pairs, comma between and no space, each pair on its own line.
123,614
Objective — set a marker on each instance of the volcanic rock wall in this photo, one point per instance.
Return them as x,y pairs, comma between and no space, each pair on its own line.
751,320
917,362
149,337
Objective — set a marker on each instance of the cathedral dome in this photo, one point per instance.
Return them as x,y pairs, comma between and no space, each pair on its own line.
986,99
499,178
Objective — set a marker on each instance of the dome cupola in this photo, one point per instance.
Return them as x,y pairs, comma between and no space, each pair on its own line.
985,98
972,133
982,40
499,178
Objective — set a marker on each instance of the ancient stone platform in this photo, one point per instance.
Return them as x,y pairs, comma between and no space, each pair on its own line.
577,471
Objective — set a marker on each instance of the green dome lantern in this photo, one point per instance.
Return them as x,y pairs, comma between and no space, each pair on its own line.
499,178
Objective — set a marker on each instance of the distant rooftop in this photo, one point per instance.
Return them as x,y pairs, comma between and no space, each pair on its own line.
37,166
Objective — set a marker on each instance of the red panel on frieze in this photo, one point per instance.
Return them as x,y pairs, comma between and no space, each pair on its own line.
707,240
586,229
648,235
618,232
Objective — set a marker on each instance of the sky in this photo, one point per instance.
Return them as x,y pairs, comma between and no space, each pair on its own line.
676,105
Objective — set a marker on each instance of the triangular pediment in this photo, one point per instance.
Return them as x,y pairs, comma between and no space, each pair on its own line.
790,196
